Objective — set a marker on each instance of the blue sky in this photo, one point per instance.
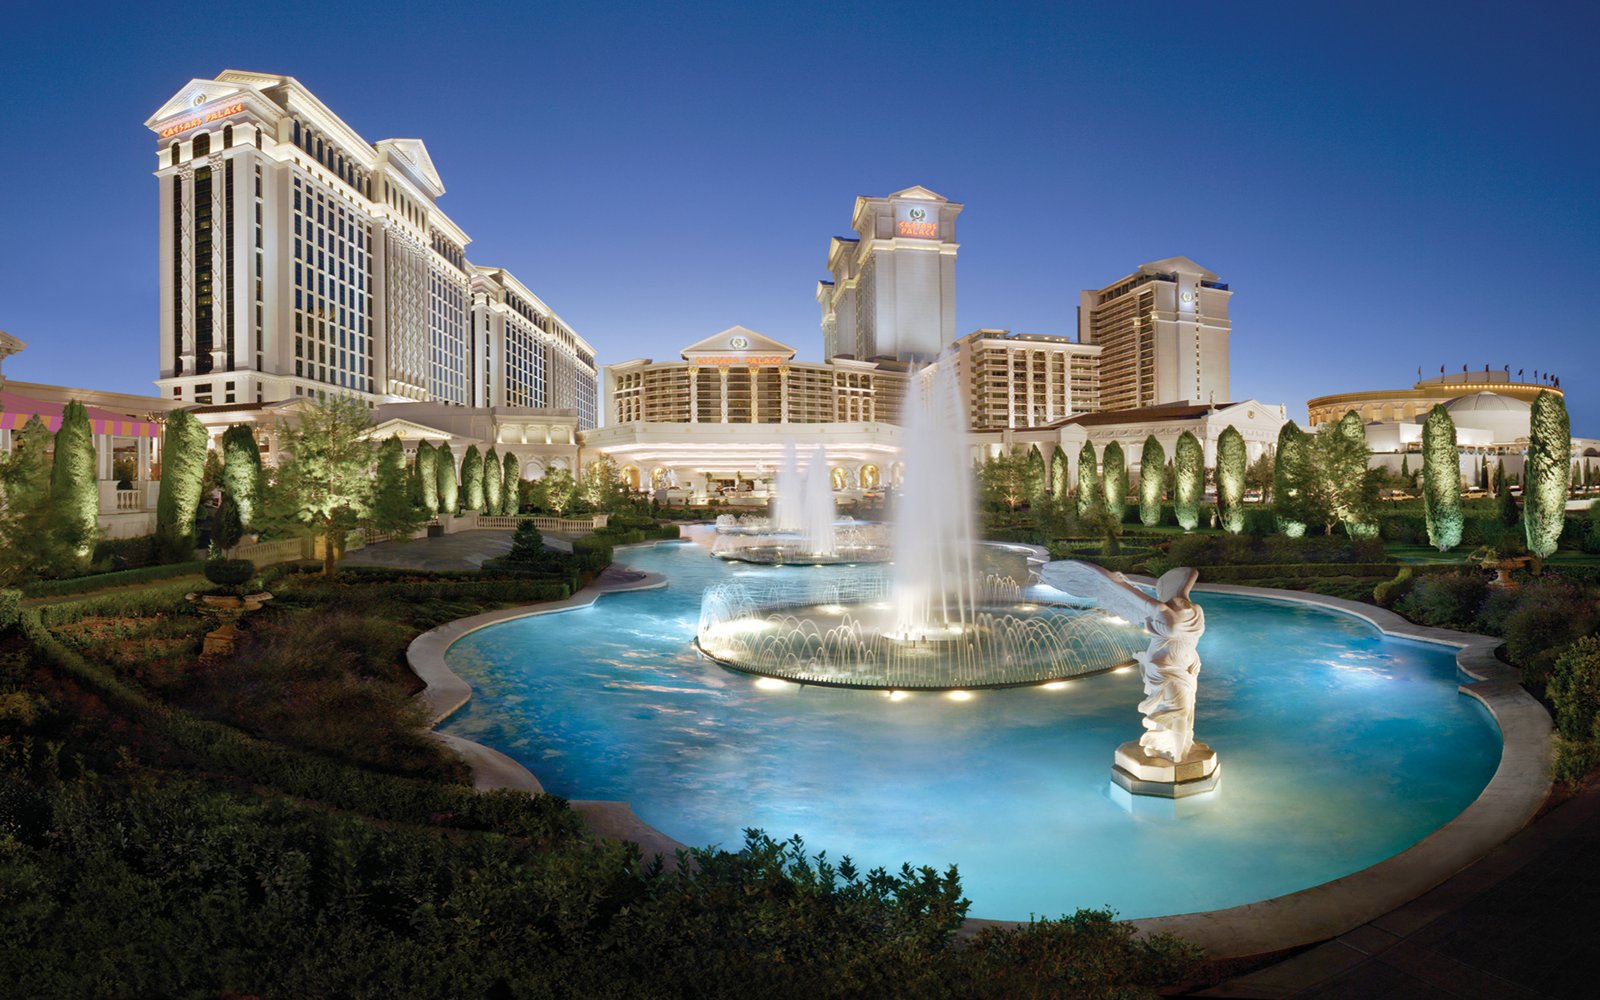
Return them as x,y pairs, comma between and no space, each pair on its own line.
1384,186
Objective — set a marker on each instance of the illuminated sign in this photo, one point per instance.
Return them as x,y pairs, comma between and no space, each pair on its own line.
749,359
913,221
199,120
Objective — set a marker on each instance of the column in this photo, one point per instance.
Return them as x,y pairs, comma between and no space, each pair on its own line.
783,394
755,393
694,394
722,371
186,267
1011,388
1028,367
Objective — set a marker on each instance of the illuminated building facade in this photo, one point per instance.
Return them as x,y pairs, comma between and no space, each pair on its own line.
1012,380
893,287
1163,332
298,260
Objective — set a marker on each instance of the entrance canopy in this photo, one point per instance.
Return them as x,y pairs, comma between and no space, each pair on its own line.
15,410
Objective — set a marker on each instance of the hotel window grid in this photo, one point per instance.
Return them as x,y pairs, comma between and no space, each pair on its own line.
331,297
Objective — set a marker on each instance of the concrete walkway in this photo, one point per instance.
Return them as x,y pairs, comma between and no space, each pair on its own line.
1518,924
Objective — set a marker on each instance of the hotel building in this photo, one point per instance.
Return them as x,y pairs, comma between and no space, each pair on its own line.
298,259
1012,380
723,413
1163,333
893,288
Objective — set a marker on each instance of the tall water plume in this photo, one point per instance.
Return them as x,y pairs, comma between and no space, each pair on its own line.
934,553
788,506
817,516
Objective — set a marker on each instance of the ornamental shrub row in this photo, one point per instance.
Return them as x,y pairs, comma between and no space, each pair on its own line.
105,581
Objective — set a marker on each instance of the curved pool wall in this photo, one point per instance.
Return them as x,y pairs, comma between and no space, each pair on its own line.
1012,786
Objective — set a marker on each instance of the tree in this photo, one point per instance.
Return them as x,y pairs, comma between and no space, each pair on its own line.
1151,462
1231,465
1546,476
427,472
183,460
30,545
1189,463
324,482
241,472
211,473
1441,480
227,527
1038,476
74,491
472,479
446,469
1258,476
1089,487
1289,474
392,511
511,501
1336,486
1114,477
603,487
1405,467
527,545
1003,480
1058,473
494,497
559,490
1505,503
1359,518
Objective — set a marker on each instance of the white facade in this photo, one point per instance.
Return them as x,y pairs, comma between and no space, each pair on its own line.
1011,380
298,259
1164,333
893,287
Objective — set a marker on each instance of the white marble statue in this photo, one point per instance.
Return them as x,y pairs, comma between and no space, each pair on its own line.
1171,665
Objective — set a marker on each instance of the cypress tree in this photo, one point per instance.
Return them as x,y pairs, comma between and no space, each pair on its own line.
512,503
1088,479
1231,464
74,493
393,511
472,479
1545,481
1505,503
183,462
1037,479
1189,462
1289,480
1441,480
448,493
1152,460
241,472
1058,473
428,477
494,499
1358,522
1405,467
1114,475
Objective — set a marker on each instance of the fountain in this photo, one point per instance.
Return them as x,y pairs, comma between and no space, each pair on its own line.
802,527
937,620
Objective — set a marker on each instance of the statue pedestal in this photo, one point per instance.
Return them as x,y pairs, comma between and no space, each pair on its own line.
1141,774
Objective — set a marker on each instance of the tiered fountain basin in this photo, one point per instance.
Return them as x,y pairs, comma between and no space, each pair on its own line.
1343,748
851,543
847,633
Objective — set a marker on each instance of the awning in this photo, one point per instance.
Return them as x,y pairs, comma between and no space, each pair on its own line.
16,410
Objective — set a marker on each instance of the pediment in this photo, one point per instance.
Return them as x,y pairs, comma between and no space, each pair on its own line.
196,95
415,155
737,341
408,430
918,191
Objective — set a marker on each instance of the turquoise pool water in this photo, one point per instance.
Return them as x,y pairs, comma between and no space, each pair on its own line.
1339,748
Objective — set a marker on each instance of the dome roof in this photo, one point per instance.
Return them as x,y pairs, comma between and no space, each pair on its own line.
1487,401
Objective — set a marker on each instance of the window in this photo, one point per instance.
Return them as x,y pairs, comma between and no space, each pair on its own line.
202,144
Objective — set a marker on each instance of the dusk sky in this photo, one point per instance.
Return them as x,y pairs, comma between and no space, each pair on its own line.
1384,187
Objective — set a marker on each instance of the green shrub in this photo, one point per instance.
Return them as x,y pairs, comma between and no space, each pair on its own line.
229,572
125,553
1574,689
1446,600
1390,591
10,608
1550,613
527,545
105,581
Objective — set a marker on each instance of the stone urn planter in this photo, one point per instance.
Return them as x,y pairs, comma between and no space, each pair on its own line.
228,608
1501,566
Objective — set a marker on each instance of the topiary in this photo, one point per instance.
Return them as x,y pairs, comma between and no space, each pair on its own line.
1389,591
527,545
229,572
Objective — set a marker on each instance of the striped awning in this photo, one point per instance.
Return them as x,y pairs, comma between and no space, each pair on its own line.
16,410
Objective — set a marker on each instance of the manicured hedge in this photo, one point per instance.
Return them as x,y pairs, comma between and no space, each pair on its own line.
10,608
103,581
306,775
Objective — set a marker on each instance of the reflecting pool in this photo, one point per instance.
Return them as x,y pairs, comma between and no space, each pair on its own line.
1339,747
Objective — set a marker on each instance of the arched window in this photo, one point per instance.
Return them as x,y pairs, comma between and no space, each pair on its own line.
202,144
173,149
227,137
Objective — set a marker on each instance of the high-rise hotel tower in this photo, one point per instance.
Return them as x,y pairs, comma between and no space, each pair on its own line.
1163,336
893,290
297,259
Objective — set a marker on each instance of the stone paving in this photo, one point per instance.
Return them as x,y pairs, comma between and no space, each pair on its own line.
461,551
